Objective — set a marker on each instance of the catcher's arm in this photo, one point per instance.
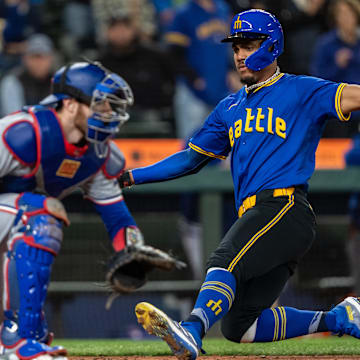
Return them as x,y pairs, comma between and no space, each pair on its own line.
180,164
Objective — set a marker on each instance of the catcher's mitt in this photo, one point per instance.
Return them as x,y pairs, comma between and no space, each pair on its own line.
127,270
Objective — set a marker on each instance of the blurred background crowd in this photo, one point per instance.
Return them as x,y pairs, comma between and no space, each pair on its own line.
169,51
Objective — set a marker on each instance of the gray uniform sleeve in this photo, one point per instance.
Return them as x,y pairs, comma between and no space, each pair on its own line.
101,189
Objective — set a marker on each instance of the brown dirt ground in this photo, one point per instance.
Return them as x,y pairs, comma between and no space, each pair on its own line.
259,357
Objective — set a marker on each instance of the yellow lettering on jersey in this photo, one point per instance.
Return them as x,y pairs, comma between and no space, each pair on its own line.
68,168
280,127
231,136
270,117
249,118
259,117
238,126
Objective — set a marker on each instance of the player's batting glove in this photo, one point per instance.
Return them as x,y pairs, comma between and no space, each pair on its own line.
127,270
126,179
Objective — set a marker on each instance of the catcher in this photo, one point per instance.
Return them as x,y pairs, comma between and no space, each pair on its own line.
53,148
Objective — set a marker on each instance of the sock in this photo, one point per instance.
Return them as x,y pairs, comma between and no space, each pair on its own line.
215,298
282,323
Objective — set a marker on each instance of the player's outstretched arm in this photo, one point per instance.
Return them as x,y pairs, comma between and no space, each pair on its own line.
182,163
350,99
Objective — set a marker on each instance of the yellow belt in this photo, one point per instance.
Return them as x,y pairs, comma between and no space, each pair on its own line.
250,201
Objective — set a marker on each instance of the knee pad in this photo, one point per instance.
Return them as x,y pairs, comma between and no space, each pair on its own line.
34,242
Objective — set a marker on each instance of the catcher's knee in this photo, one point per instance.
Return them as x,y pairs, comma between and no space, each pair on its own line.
39,222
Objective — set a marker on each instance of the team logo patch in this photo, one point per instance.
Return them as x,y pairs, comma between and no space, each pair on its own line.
237,23
68,168
215,306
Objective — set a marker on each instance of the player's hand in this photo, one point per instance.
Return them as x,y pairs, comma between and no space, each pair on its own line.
126,179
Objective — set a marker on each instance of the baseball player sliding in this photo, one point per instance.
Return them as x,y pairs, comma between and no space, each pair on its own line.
52,149
271,127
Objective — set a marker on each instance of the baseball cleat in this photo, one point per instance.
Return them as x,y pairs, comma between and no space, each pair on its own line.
347,315
155,322
29,349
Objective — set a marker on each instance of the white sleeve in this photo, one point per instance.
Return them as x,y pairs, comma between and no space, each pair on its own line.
11,95
102,190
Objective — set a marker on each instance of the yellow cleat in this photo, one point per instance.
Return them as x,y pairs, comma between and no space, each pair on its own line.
155,322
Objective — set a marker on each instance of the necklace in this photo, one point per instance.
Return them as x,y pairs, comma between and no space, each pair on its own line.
255,86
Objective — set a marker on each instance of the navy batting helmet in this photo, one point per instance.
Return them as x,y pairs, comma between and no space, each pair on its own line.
92,84
258,24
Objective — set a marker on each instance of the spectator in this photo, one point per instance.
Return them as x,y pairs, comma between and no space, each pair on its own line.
142,11
303,22
148,69
79,26
30,82
337,56
194,38
22,18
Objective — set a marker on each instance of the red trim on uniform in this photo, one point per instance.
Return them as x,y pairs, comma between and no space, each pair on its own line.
29,240
70,149
21,161
14,345
13,241
38,146
18,199
119,240
14,212
6,287
105,204
31,356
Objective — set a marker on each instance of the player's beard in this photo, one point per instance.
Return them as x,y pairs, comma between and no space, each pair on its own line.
248,79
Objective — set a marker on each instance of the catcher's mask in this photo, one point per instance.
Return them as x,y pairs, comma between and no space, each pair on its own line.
258,24
106,93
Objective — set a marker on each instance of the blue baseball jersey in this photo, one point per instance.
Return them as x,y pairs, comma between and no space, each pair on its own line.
200,32
271,132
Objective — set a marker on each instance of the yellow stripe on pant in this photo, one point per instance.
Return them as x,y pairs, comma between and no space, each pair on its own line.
261,232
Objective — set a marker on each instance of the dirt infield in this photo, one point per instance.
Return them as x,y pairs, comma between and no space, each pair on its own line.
214,357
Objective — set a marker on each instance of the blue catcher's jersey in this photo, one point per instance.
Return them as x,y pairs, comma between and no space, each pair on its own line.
272,132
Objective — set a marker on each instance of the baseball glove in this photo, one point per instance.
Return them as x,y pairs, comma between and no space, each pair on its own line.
127,270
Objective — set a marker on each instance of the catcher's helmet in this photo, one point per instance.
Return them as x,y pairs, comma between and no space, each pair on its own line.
258,24
93,85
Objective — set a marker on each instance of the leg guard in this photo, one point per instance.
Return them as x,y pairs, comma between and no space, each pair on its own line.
35,240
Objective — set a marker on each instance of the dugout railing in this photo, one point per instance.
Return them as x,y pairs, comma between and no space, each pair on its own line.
211,185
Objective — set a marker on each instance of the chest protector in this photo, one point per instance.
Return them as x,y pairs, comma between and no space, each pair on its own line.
56,171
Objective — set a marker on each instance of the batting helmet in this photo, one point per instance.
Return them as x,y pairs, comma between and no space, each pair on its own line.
258,24
93,85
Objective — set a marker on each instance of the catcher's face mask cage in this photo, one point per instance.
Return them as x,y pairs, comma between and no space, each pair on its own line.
258,24
108,104
107,94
